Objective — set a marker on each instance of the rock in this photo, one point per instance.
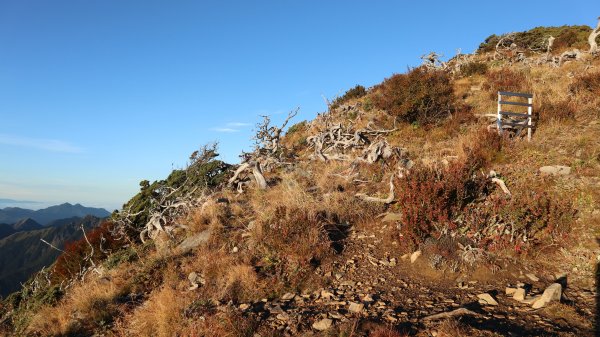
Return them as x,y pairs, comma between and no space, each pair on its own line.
288,297
555,170
367,298
392,217
348,283
532,277
235,250
277,310
531,300
414,256
356,307
326,294
193,241
405,256
510,291
486,299
552,293
519,295
323,324
195,280
335,315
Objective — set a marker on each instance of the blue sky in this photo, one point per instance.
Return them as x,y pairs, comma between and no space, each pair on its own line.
98,95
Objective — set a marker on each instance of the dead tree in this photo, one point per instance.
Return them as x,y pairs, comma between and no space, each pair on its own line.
267,136
432,61
340,142
593,37
504,44
267,154
549,45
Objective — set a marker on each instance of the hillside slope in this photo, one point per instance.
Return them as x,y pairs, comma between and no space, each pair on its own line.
399,211
22,254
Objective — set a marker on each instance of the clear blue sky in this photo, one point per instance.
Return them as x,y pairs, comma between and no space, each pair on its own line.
98,95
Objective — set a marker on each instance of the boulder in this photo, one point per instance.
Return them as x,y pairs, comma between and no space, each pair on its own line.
392,217
356,307
486,299
532,277
552,293
193,241
555,170
323,324
519,295
414,256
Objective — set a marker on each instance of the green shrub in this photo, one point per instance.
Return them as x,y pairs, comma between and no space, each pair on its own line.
536,38
124,255
473,68
296,127
420,96
357,92
204,171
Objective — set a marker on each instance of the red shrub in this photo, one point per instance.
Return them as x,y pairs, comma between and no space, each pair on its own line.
505,79
72,260
431,198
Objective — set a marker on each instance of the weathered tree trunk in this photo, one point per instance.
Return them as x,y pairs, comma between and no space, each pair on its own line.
592,38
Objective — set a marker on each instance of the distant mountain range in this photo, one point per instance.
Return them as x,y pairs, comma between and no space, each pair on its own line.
23,253
12,215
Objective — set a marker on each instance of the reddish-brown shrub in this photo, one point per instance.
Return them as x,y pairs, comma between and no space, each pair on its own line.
559,111
421,96
292,242
431,198
505,79
71,261
588,83
522,221
384,332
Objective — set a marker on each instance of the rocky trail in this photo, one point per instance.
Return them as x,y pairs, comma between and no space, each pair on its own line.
402,291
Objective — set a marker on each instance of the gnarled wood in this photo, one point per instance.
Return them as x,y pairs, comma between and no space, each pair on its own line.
593,37
387,200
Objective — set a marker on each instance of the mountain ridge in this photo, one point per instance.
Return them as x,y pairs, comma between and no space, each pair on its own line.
46,215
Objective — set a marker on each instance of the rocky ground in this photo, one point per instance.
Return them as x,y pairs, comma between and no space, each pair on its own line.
407,292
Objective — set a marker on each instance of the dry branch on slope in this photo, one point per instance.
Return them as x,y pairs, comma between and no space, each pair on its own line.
337,140
266,156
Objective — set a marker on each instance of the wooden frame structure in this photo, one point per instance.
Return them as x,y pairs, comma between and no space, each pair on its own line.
525,118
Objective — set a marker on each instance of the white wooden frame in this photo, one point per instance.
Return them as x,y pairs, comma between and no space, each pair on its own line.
528,123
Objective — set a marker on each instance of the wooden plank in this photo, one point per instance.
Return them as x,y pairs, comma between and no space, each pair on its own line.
515,103
516,94
523,125
529,122
516,114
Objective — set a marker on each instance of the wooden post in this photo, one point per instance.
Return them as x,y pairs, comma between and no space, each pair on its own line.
529,113
499,121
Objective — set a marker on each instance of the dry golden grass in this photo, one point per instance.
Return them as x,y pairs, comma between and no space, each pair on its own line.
87,306
161,315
